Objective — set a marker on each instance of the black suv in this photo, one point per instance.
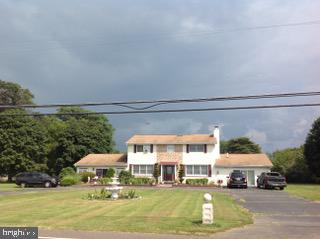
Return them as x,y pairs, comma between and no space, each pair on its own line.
237,179
35,178
271,180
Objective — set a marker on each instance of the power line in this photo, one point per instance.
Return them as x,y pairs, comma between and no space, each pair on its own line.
167,111
154,103
157,37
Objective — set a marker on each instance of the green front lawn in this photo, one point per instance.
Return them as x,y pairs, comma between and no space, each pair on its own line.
8,187
159,211
307,191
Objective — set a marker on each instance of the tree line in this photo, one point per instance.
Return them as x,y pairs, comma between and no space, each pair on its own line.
51,143
47,143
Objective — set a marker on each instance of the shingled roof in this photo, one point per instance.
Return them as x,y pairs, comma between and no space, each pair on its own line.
103,160
172,139
243,160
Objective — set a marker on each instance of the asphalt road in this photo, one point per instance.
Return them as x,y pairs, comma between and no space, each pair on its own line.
276,215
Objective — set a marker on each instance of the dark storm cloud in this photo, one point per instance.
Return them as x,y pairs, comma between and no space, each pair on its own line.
77,51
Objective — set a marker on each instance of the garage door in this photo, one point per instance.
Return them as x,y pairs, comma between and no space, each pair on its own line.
250,177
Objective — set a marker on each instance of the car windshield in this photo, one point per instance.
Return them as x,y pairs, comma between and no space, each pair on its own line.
237,175
273,174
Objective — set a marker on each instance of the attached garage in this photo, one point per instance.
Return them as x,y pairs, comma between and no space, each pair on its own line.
100,163
252,165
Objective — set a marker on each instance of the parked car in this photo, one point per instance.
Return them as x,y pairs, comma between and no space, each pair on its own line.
237,179
271,180
36,178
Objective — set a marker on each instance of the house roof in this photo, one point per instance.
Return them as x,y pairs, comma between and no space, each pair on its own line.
103,160
172,139
243,160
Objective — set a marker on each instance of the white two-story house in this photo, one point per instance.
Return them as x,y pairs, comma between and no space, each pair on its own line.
198,154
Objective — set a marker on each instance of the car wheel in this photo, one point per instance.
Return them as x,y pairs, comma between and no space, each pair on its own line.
47,184
23,184
281,188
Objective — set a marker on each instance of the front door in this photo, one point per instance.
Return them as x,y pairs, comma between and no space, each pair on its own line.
168,173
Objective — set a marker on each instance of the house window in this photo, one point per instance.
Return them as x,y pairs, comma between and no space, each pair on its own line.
81,170
196,170
149,169
143,170
135,169
189,170
170,148
99,172
196,148
141,148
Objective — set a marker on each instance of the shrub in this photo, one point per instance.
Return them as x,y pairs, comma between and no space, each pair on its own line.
110,173
156,172
84,176
181,173
105,195
125,177
198,181
66,172
142,181
104,181
70,180
102,195
131,194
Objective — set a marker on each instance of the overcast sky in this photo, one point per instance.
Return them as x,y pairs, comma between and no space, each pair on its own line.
92,51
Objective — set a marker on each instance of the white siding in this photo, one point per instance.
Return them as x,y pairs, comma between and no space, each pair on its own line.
140,157
192,158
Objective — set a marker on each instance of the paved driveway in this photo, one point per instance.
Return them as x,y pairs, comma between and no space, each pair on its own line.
277,215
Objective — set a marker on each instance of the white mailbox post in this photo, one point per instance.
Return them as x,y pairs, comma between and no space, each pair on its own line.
207,209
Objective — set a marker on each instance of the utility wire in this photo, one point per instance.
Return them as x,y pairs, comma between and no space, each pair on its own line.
167,111
154,103
163,36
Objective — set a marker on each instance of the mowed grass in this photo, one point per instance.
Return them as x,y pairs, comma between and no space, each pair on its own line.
159,211
307,191
9,187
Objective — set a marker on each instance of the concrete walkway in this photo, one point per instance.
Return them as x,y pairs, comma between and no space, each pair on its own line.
277,215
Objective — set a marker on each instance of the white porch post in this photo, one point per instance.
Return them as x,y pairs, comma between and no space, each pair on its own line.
161,170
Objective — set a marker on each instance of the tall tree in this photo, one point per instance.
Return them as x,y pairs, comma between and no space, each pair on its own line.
22,144
291,163
312,148
13,94
81,135
241,145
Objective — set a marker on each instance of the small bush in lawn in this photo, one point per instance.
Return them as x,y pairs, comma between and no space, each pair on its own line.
125,177
102,195
197,182
84,176
70,180
66,172
104,181
110,173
